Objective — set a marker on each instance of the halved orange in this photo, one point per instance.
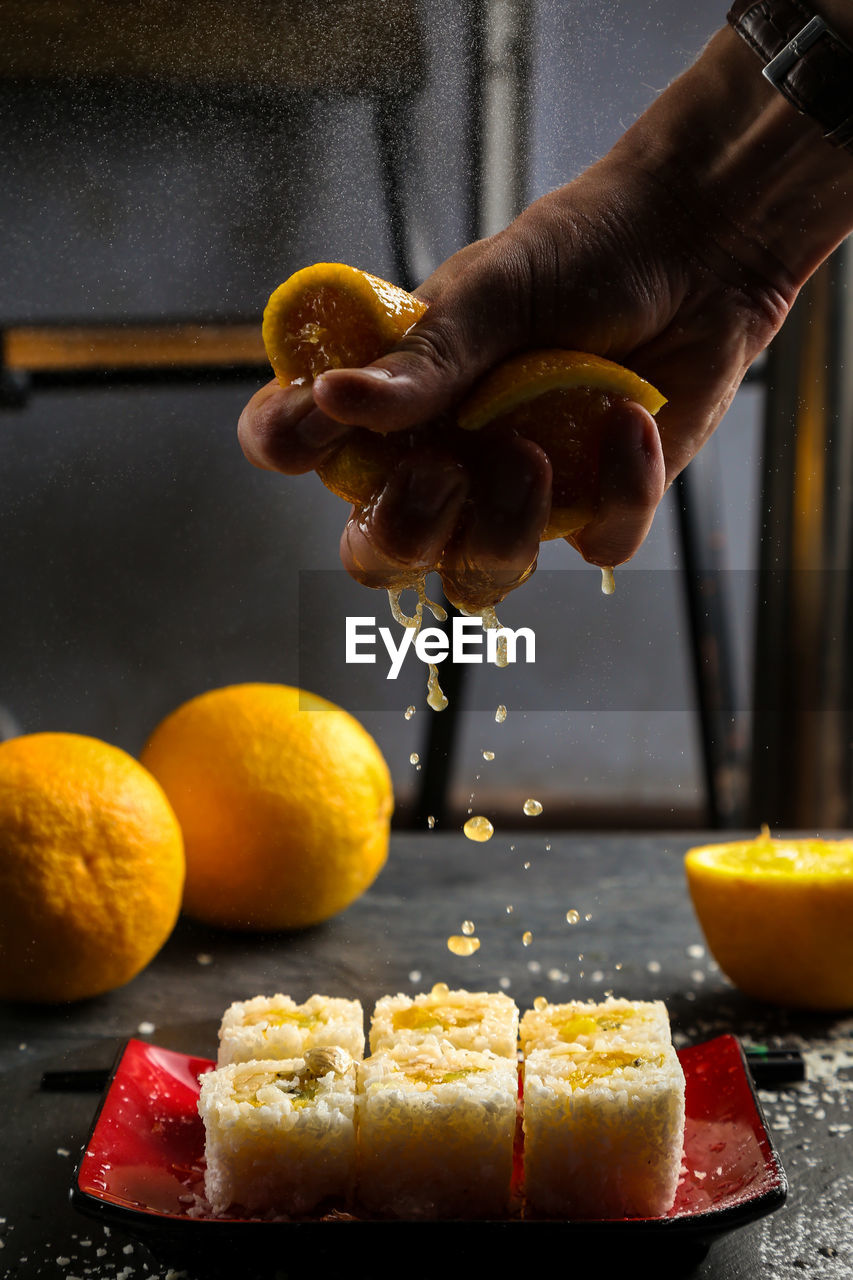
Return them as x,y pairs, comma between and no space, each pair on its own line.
333,316
558,399
777,915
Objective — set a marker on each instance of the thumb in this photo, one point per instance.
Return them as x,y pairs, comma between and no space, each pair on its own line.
472,322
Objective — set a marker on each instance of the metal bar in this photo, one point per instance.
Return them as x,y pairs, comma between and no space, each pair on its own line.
474,116
391,115
802,716
506,124
720,719
441,741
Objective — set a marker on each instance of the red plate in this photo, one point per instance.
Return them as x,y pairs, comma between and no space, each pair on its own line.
142,1167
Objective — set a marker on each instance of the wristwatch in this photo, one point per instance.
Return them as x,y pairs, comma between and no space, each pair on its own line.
804,59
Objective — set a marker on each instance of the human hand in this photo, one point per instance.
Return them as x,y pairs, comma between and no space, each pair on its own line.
639,260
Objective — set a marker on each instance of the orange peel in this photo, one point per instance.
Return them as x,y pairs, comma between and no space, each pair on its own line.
777,915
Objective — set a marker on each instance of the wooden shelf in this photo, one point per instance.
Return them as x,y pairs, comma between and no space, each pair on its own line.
81,348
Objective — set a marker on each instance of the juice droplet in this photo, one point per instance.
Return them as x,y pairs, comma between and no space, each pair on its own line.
404,619
461,946
540,1004
588,915
489,619
608,582
488,755
440,989
526,938
414,758
430,822
509,908
435,694
500,714
467,927
572,916
479,828
532,808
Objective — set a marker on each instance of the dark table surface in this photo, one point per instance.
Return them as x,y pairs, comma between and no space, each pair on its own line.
636,936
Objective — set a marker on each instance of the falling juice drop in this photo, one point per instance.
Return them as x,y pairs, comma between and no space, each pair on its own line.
532,808
461,946
479,828
414,758
526,938
608,582
468,927
500,714
430,822
435,694
488,755
572,916
540,1004
440,989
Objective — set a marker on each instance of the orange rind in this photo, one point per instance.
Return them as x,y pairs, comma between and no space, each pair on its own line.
331,316
777,915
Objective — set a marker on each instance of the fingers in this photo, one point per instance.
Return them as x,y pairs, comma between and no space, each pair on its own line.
402,534
281,429
633,480
480,525
495,550
475,318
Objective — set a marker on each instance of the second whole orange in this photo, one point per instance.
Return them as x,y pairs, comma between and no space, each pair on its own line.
285,803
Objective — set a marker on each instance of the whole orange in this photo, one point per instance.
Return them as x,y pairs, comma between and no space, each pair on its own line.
285,803
91,867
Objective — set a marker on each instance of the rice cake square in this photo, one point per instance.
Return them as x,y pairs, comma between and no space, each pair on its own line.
606,1024
268,1027
603,1131
478,1020
435,1132
279,1135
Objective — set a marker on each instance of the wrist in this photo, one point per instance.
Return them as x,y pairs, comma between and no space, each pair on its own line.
758,177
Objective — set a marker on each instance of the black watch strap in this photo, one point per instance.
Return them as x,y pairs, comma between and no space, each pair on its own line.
804,59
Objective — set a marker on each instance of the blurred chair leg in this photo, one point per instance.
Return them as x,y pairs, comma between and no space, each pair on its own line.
442,739
393,138
720,716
